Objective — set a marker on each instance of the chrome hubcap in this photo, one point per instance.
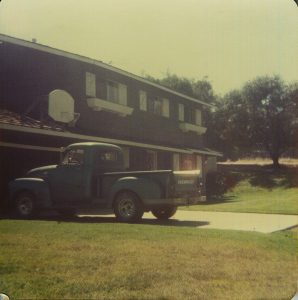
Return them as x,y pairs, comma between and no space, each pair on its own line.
25,206
126,207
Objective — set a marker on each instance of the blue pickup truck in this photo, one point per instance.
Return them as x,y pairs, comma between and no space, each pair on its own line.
91,176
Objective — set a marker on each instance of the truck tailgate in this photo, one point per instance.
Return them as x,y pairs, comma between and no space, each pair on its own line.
187,183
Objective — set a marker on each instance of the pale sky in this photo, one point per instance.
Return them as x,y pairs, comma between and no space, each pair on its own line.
230,41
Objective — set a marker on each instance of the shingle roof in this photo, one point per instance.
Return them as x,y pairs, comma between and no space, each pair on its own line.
13,118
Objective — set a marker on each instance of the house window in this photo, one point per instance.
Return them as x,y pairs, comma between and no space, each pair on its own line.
181,112
90,84
188,162
161,107
193,116
157,106
143,100
117,92
151,160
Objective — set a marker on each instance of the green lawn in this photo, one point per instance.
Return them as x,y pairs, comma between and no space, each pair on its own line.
84,260
259,191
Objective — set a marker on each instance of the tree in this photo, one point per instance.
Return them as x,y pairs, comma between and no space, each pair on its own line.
200,89
264,116
229,124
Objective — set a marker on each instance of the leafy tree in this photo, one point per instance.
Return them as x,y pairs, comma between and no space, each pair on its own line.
179,84
228,124
200,89
203,90
263,116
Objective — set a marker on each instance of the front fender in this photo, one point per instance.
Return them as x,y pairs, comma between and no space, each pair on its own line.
37,186
143,187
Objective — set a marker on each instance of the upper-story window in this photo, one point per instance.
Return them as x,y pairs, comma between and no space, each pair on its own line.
143,100
181,112
193,116
157,106
90,84
161,107
117,92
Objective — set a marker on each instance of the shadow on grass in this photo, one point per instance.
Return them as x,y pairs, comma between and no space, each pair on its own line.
217,200
265,176
107,219
270,178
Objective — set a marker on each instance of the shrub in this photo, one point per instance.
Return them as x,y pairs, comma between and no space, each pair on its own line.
218,183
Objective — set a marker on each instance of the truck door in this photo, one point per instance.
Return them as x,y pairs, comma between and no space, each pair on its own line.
67,182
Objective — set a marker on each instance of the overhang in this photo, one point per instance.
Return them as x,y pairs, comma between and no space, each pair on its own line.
82,137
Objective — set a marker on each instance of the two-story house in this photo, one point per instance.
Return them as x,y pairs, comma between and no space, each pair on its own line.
50,98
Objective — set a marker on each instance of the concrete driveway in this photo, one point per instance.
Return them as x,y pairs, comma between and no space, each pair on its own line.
265,223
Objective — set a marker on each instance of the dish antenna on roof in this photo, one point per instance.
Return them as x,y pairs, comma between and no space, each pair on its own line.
61,107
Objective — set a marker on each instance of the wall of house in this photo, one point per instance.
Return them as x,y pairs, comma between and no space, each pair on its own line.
28,75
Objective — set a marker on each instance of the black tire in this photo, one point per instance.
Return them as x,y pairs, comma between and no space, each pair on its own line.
24,206
164,213
128,207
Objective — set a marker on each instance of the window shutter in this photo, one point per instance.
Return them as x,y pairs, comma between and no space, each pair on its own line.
143,100
198,117
176,164
181,112
122,94
199,163
165,107
90,84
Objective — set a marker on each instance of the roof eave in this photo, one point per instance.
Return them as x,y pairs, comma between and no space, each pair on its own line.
82,58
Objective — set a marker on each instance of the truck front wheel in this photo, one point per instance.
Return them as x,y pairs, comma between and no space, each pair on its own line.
128,207
164,213
24,205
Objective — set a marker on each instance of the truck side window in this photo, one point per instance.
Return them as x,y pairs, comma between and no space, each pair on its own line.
74,157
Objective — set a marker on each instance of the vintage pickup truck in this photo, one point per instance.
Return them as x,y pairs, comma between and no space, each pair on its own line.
91,176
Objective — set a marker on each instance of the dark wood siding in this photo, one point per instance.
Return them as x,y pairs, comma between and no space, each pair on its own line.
27,75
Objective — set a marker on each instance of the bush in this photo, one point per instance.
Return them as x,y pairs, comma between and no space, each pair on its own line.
218,183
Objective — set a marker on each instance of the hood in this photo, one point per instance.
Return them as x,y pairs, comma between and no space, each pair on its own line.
41,171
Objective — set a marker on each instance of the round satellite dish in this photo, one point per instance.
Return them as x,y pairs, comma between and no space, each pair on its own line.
61,106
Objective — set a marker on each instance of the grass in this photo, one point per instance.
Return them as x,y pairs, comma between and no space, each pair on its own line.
257,190
84,260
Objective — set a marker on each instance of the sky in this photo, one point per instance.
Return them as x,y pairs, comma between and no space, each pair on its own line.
229,41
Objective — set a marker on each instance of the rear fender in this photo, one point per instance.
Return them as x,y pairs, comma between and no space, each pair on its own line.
37,186
144,188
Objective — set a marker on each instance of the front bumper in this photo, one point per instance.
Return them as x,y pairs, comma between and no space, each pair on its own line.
181,201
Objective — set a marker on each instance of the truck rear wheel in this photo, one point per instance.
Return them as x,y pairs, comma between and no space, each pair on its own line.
128,207
24,205
164,213
67,212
